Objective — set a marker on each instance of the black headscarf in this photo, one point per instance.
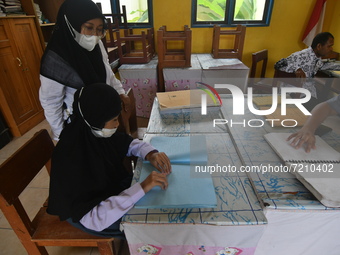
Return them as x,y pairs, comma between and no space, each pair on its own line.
86,169
64,60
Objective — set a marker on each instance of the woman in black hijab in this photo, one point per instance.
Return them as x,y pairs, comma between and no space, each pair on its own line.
74,57
89,186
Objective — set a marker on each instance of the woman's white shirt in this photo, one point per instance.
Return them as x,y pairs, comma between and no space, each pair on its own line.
53,95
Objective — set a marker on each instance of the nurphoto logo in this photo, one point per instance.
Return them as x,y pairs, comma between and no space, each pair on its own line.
211,92
239,103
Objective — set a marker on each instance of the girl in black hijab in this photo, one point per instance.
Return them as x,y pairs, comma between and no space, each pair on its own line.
89,186
74,57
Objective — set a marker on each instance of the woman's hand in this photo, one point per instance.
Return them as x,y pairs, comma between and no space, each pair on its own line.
303,137
159,160
154,179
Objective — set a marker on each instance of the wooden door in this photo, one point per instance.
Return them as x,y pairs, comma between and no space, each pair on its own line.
19,72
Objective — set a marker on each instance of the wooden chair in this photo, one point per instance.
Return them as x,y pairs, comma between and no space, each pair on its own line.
128,120
114,22
236,52
128,124
120,17
132,54
44,230
260,85
178,55
256,58
289,78
111,44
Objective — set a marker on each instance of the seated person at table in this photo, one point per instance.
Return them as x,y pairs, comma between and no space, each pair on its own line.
305,136
306,63
89,186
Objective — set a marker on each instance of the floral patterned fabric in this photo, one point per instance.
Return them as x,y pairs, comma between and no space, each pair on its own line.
144,91
309,63
305,59
142,79
148,249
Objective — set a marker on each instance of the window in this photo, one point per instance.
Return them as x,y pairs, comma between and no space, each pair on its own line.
138,12
206,13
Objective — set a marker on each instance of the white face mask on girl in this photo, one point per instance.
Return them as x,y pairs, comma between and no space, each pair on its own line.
105,132
88,42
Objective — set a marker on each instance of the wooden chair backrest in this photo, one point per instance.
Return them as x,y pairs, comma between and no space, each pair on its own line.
127,50
175,57
44,230
114,22
112,28
121,17
179,55
128,119
289,78
20,169
256,58
237,50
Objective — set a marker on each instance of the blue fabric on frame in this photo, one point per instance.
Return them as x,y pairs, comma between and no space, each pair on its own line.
183,150
184,190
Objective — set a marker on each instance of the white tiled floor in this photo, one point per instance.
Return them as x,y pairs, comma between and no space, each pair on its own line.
33,197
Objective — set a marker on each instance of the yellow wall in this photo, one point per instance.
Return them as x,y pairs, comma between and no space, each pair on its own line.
281,38
332,21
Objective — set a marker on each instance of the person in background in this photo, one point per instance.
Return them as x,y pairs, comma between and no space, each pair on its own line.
306,135
89,186
306,63
75,57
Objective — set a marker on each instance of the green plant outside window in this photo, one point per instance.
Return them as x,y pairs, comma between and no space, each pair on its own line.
231,11
137,11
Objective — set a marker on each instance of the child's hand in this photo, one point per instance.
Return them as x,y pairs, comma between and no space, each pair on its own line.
159,160
154,179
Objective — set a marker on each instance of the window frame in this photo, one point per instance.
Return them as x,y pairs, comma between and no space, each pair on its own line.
229,16
115,7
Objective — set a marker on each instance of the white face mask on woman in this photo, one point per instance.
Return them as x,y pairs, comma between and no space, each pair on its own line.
88,42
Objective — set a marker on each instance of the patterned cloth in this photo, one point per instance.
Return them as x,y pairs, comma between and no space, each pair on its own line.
148,249
309,63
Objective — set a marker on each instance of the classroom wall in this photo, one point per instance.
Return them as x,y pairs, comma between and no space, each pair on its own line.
282,37
332,21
